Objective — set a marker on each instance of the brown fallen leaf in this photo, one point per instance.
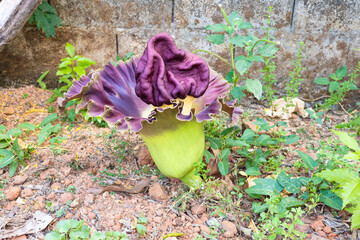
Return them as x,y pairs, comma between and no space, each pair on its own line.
137,188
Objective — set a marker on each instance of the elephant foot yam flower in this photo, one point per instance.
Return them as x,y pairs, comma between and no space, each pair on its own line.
165,96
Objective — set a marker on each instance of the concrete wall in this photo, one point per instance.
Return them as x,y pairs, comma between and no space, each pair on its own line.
101,29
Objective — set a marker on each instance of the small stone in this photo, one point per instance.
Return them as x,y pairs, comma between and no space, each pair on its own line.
322,234
317,225
65,197
327,230
204,229
67,182
196,229
213,223
144,157
51,196
9,110
66,171
12,193
26,193
19,179
46,162
229,227
74,203
302,228
89,199
198,209
157,192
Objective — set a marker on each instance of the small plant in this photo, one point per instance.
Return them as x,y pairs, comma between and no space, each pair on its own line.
292,87
256,49
347,179
73,229
338,86
71,189
46,19
140,226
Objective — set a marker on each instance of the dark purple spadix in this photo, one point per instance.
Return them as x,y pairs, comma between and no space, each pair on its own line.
165,72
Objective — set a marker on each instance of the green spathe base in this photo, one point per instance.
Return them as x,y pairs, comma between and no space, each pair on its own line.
175,146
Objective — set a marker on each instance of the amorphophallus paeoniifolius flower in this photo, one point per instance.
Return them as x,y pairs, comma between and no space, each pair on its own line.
165,96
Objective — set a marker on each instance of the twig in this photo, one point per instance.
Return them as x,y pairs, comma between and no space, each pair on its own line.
214,54
313,100
344,109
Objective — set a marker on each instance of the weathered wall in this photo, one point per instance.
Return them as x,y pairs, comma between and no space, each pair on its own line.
101,29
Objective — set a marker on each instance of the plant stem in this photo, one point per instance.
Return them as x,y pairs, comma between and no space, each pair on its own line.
260,40
193,180
214,54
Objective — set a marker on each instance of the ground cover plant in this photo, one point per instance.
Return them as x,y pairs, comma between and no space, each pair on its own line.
252,178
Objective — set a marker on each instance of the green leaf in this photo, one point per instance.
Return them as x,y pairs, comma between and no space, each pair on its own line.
64,64
332,76
128,56
330,199
47,7
242,66
289,202
256,58
63,71
229,76
253,171
44,133
322,81
267,50
340,175
290,139
79,71
352,86
341,72
2,128
234,15
79,234
208,155
48,119
223,167
174,235
216,38
98,236
248,133
141,229
239,41
12,168
355,219
85,62
40,80
6,157
14,132
255,87
292,185
224,154
245,25
70,49
351,192
265,186
263,140
309,162
258,207
142,220
237,93
27,126
54,236
333,86
16,146
4,144
216,27
236,142
65,225
5,136
350,142
215,143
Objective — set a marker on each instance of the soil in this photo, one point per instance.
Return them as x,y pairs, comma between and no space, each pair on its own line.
66,184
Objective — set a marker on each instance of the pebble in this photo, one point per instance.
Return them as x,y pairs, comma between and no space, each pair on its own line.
9,111
27,192
157,192
89,199
229,228
198,209
67,182
12,193
65,197
51,196
22,237
144,157
204,229
317,225
19,179
66,171
327,230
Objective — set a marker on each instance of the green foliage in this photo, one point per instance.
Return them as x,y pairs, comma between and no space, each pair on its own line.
292,87
353,124
11,153
125,59
72,67
46,19
140,226
76,230
235,34
338,85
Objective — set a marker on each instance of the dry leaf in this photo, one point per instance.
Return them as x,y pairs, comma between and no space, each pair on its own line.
137,188
280,110
253,227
